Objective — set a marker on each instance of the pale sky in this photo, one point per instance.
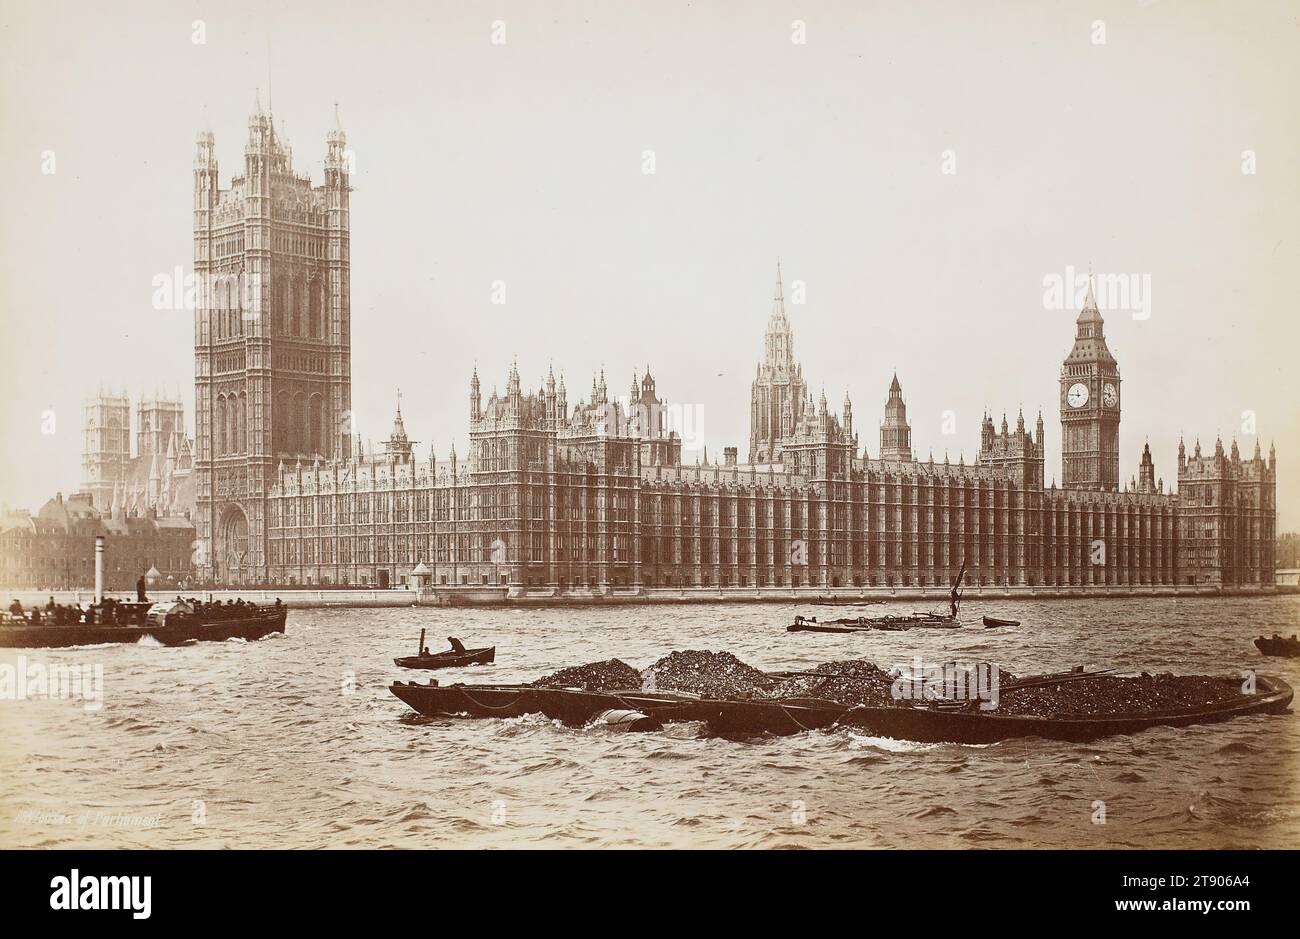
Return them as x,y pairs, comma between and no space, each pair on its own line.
522,162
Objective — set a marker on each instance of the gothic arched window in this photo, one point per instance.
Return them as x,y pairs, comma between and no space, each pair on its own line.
280,422
236,309
316,303
297,423
316,424
301,306
282,312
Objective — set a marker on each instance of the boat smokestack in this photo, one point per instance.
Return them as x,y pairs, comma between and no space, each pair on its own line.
99,569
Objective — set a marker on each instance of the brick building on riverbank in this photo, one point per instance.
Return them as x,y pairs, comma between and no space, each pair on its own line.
55,548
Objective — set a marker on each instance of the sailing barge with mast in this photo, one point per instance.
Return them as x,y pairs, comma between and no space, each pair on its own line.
928,620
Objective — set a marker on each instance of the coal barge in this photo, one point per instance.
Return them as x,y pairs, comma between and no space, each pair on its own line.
927,721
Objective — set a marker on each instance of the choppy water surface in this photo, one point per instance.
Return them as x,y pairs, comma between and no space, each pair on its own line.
295,741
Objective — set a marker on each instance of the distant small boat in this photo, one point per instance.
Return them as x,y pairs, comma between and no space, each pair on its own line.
860,624
810,627
1279,646
888,623
991,621
449,659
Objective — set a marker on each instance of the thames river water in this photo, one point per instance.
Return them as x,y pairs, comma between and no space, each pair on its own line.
295,741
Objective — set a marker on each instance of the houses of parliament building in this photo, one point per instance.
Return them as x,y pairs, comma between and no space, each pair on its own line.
592,497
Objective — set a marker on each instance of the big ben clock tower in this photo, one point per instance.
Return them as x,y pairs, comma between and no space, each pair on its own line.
1090,407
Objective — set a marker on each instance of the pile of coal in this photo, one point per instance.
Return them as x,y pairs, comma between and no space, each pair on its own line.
853,681
939,682
709,674
860,682
609,675
1113,694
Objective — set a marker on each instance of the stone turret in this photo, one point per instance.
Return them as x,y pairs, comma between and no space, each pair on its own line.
399,450
1146,481
1020,452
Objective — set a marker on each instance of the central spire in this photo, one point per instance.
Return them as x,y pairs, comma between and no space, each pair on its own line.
778,301
779,344
1090,312
399,426
778,393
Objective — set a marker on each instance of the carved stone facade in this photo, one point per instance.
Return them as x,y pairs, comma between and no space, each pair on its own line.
272,343
1228,515
594,497
564,499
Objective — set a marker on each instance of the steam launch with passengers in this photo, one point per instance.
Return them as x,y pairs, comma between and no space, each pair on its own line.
107,620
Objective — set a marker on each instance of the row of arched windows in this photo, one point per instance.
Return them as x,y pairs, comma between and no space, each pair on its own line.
231,431
228,304
299,421
299,307
227,323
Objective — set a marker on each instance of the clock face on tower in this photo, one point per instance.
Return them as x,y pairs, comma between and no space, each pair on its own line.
1109,395
1077,396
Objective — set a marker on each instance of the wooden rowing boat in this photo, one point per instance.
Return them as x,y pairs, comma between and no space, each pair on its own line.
1279,646
449,659
991,621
